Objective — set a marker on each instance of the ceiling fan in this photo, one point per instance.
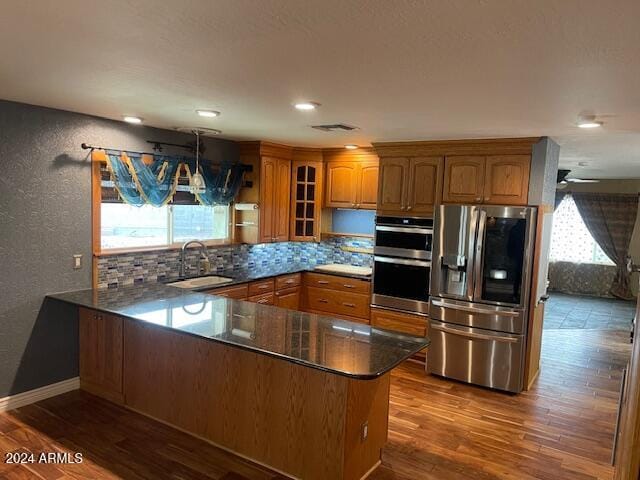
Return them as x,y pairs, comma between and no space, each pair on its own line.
562,181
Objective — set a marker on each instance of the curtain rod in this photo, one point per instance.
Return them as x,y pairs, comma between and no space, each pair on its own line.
86,146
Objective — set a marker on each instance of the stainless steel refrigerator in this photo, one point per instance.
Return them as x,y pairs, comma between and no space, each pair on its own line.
479,294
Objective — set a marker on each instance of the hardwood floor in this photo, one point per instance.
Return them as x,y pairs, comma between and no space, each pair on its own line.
438,429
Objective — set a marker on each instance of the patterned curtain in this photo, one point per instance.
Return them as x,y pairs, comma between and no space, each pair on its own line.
117,163
155,183
222,183
610,219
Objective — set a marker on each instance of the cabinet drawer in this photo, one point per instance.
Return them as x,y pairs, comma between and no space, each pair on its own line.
288,281
264,299
288,298
239,292
260,286
341,303
400,322
334,282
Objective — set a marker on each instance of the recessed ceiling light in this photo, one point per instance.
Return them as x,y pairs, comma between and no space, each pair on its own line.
588,121
306,106
351,146
208,113
131,119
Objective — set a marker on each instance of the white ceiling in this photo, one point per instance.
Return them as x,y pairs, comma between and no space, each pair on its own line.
398,69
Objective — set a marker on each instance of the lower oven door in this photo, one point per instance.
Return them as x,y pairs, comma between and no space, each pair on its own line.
478,356
401,283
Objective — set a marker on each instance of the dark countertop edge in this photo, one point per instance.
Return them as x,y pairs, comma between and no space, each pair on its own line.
279,356
229,272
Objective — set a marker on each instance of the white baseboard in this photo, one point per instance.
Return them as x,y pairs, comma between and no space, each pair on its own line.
32,396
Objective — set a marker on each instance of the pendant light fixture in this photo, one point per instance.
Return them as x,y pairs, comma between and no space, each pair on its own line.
196,182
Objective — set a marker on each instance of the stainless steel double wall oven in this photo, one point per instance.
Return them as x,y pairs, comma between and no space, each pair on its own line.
402,263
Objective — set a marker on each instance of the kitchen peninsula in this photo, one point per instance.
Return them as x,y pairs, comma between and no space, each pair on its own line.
304,394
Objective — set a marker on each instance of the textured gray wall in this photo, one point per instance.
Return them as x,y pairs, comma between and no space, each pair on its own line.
45,218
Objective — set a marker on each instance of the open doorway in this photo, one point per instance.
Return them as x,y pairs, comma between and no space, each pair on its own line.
589,315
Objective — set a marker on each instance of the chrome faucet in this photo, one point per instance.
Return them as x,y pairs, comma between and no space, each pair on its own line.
201,255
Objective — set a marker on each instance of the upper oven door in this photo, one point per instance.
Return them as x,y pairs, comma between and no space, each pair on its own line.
406,242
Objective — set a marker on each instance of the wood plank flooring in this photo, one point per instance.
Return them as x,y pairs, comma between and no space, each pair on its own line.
438,429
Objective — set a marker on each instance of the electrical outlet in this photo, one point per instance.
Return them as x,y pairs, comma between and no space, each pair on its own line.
77,261
364,432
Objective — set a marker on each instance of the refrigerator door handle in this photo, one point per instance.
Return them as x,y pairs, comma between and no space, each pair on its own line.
479,254
464,308
472,252
479,336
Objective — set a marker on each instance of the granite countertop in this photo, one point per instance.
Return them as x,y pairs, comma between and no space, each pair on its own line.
259,272
336,346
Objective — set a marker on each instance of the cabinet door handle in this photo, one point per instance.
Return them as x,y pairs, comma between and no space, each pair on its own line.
352,305
323,300
353,205
289,281
264,300
348,285
262,287
323,282
357,205
409,207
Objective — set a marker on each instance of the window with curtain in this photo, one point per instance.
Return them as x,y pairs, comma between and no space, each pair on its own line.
570,238
124,226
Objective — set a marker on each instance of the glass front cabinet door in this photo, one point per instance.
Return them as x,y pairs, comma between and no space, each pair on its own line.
306,200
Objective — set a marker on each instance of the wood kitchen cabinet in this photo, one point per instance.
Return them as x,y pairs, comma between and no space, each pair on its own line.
264,299
288,291
367,194
409,185
101,354
306,199
288,298
336,296
341,184
274,199
495,179
237,292
392,185
351,179
400,322
507,179
269,188
463,179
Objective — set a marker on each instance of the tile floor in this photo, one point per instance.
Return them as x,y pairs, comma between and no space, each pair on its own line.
581,312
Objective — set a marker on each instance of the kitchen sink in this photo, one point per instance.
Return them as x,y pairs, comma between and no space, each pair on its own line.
201,282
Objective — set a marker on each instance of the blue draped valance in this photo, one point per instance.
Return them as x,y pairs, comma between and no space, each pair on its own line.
155,183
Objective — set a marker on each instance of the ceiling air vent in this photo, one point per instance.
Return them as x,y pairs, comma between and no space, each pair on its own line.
336,127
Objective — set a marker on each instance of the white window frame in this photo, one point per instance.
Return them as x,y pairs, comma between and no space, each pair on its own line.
169,245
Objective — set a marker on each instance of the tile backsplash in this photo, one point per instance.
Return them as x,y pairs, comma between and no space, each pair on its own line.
153,266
